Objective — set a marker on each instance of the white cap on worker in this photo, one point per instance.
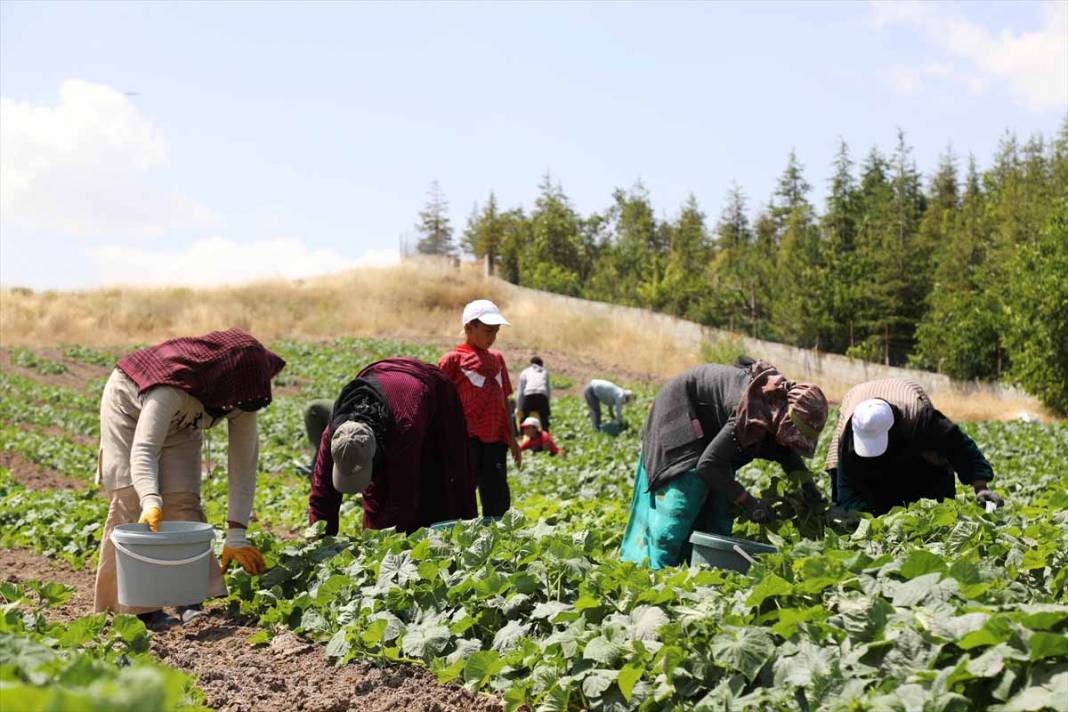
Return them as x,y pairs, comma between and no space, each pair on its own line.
485,311
531,422
871,421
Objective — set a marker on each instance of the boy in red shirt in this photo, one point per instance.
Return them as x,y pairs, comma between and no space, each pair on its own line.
481,378
536,439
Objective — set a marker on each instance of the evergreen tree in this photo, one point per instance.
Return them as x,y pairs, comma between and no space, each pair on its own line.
553,259
958,335
434,225
733,279
485,232
839,224
640,247
1035,308
800,271
515,235
683,285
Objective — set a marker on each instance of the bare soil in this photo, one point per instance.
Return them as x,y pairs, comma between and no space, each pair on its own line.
78,374
21,565
35,476
288,674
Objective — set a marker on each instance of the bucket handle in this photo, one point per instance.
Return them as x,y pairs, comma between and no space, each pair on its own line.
160,562
743,553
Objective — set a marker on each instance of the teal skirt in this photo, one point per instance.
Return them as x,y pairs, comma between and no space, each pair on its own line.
661,522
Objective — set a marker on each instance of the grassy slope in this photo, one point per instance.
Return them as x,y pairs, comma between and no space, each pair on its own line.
415,301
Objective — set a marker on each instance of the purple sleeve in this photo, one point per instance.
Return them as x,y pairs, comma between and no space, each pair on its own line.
324,502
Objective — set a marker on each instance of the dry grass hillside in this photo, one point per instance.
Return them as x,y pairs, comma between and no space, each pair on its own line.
417,300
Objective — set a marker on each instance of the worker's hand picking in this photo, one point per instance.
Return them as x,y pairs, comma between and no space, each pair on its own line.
759,510
238,548
986,498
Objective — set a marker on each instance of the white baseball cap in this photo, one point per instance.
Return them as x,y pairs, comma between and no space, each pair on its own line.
871,424
531,422
485,311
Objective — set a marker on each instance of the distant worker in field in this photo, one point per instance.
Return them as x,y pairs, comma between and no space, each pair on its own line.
153,412
481,378
600,392
397,435
891,446
537,440
704,424
534,393
316,420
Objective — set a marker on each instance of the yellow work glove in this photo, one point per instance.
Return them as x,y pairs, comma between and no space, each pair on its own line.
237,548
150,515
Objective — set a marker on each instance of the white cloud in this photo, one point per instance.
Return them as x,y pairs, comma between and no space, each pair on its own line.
81,167
217,261
1034,64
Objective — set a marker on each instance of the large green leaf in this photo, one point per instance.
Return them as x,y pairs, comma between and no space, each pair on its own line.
745,650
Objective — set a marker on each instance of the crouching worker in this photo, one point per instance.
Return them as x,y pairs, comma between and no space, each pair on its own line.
598,392
397,434
703,425
536,440
316,420
891,447
153,412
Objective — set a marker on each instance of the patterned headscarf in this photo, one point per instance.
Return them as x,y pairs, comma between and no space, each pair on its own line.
794,413
223,370
806,415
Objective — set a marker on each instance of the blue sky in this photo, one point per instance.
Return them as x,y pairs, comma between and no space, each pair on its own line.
295,138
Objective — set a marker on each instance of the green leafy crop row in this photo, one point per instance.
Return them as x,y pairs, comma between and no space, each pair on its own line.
939,606
92,664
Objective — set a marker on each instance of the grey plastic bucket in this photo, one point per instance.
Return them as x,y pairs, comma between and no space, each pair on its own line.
165,568
726,552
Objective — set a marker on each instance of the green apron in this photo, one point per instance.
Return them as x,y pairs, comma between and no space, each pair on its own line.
661,522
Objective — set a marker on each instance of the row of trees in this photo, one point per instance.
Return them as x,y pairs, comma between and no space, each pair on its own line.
962,272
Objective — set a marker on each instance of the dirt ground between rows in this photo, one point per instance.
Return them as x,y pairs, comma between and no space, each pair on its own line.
288,674
35,476
78,374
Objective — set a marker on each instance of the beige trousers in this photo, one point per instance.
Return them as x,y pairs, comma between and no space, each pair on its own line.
126,509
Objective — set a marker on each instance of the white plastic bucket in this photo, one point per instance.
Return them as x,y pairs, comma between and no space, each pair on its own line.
165,568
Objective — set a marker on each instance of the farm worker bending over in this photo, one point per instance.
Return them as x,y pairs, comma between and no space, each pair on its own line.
316,420
703,425
397,435
892,447
534,392
481,378
599,391
536,439
153,412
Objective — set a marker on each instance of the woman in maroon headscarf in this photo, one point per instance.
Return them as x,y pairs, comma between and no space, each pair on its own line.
154,410
705,424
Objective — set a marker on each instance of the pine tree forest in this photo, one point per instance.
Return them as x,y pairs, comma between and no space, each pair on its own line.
960,270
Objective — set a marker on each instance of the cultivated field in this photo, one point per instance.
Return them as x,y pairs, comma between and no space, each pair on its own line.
937,607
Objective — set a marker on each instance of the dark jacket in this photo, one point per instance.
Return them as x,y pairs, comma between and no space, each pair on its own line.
922,453
691,425
422,470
